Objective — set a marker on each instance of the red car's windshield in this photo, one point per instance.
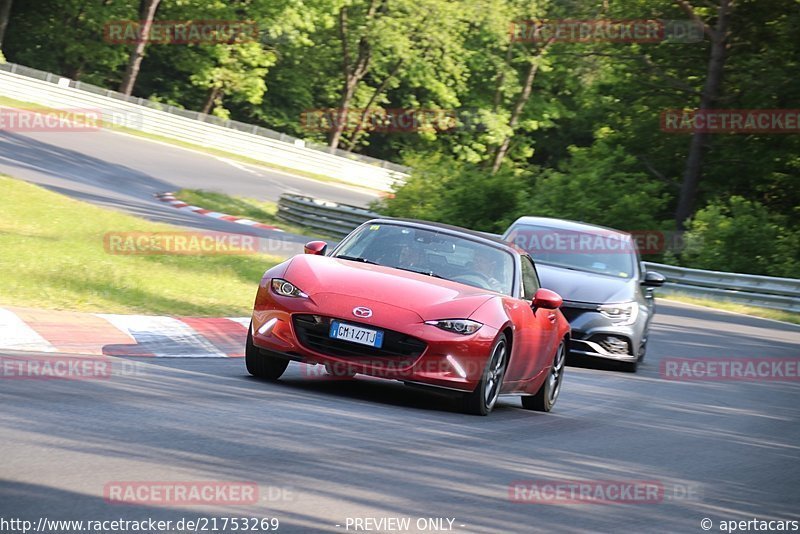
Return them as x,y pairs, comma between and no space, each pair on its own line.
433,253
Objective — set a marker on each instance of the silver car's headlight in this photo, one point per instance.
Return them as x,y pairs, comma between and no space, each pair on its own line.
458,326
287,289
622,314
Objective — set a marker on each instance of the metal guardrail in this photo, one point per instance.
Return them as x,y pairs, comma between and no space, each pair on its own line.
763,291
331,218
754,290
257,143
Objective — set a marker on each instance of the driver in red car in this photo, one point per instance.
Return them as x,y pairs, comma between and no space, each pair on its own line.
485,263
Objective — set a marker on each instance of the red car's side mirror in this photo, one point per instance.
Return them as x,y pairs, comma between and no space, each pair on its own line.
549,300
315,247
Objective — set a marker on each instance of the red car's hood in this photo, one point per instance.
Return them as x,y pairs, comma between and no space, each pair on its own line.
430,298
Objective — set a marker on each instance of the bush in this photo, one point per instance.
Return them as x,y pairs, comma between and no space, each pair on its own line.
445,190
742,236
601,185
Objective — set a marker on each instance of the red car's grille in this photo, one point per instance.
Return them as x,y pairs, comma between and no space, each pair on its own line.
313,332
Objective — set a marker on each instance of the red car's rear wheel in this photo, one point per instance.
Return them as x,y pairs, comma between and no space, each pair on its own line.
545,398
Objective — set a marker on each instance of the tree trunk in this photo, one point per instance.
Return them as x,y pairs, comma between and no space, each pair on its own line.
709,97
5,13
502,150
147,12
352,73
210,101
501,77
341,113
373,98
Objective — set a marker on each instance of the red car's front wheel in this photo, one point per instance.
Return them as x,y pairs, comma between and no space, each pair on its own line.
482,400
262,365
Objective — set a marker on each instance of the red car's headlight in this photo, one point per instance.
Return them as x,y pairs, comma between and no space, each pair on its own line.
286,289
458,326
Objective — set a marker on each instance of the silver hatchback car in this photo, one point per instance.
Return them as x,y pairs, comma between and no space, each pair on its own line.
608,295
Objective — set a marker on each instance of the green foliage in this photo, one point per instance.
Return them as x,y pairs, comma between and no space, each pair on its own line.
742,236
586,143
66,37
601,185
445,190
236,70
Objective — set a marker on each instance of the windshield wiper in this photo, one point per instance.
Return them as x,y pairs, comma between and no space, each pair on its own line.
356,258
426,273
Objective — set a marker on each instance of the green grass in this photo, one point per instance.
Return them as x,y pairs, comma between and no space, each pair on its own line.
767,313
11,102
259,210
53,256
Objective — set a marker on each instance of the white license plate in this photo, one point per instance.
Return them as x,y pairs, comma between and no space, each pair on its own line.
356,334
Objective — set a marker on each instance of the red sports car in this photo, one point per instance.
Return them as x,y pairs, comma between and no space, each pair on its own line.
427,304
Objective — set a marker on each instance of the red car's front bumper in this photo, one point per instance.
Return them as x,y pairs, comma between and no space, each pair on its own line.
413,351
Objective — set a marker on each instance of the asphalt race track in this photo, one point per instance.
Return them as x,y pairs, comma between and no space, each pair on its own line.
323,451
328,455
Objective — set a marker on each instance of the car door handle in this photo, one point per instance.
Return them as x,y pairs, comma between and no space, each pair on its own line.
552,317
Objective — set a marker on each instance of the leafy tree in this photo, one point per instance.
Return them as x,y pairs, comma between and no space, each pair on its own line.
235,70
67,37
382,42
443,189
742,236
602,185
718,33
560,128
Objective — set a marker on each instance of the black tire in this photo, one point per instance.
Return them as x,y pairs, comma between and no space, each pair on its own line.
262,365
642,351
546,397
482,400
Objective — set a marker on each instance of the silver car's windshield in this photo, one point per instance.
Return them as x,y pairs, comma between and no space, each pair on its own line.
432,253
600,252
